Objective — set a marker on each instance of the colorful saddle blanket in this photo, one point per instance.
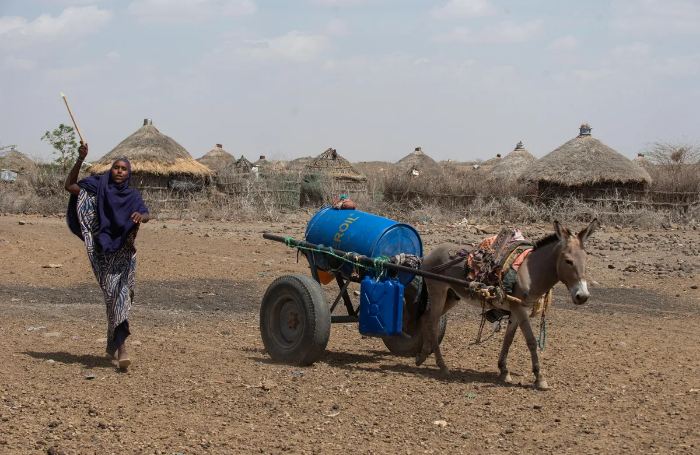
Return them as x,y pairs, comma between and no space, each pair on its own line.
497,256
496,261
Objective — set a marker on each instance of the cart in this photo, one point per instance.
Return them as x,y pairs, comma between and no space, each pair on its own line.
296,317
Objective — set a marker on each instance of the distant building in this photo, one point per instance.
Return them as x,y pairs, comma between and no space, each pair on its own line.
217,158
7,175
510,167
584,166
418,163
157,161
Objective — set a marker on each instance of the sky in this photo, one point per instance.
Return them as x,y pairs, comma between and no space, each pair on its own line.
463,79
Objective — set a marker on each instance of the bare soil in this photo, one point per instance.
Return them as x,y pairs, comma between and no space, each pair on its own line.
624,368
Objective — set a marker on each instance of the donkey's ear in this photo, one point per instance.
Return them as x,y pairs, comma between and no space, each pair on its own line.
588,230
561,232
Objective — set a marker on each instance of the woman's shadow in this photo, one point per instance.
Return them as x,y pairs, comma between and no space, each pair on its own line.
86,360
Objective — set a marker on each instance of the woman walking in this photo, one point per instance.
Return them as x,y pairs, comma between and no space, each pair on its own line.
105,213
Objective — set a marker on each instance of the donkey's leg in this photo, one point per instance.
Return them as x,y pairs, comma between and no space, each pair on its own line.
507,341
450,301
540,381
430,319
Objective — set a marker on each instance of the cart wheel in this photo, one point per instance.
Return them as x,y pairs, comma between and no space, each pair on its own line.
295,321
409,347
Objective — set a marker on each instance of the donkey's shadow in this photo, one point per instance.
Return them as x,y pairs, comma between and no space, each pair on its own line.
358,362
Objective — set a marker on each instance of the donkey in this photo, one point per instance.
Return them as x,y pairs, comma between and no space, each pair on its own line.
558,257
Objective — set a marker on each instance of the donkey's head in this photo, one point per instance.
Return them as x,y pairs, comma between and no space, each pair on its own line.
571,261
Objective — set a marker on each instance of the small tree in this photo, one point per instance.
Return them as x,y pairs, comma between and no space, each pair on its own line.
62,139
667,154
676,167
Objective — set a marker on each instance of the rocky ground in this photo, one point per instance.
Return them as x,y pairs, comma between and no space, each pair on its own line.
624,368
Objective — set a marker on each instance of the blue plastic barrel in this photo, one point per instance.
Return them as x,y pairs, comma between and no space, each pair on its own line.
360,232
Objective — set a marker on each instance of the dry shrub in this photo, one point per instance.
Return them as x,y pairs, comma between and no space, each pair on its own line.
39,191
211,203
676,167
450,188
440,198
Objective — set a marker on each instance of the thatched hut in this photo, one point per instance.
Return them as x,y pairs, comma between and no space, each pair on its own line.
586,167
217,158
236,169
419,163
330,174
18,162
509,168
14,165
242,165
157,161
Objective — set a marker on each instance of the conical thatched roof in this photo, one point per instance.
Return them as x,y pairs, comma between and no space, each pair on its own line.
238,167
485,167
152,152
243,165
420,162
512,165
217,158
16,161
585,160
330,163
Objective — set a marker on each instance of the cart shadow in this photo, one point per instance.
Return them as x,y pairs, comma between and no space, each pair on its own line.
86,360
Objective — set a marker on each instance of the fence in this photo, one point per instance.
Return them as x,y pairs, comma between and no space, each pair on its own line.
281,190
674,200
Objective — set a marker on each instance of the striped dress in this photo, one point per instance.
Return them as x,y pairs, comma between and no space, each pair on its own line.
115,272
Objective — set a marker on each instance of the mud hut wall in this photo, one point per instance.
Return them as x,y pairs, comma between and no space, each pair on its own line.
156,187
147,181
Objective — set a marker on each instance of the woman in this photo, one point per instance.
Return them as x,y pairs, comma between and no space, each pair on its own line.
105,213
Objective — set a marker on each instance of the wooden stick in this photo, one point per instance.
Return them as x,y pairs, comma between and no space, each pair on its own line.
75,124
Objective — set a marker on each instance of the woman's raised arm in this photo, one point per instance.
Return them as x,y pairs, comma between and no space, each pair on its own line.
71,184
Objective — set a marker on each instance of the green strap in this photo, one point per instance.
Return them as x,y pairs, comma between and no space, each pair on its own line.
378,264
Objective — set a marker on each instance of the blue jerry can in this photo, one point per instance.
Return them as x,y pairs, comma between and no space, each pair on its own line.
381,307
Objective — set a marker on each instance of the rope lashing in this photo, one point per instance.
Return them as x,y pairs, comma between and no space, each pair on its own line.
542,339
379,265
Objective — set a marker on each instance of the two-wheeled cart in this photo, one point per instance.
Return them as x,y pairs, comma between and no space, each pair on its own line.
345,246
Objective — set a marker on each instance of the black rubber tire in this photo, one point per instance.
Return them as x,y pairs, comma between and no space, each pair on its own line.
408,347
299,301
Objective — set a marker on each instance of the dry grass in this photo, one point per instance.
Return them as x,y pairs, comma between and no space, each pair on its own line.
449,197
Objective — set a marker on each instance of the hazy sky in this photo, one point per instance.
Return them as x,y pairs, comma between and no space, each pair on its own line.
464,79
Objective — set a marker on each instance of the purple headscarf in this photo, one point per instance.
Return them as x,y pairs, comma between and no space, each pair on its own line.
115,204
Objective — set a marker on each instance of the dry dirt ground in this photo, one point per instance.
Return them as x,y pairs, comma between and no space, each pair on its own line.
624,368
